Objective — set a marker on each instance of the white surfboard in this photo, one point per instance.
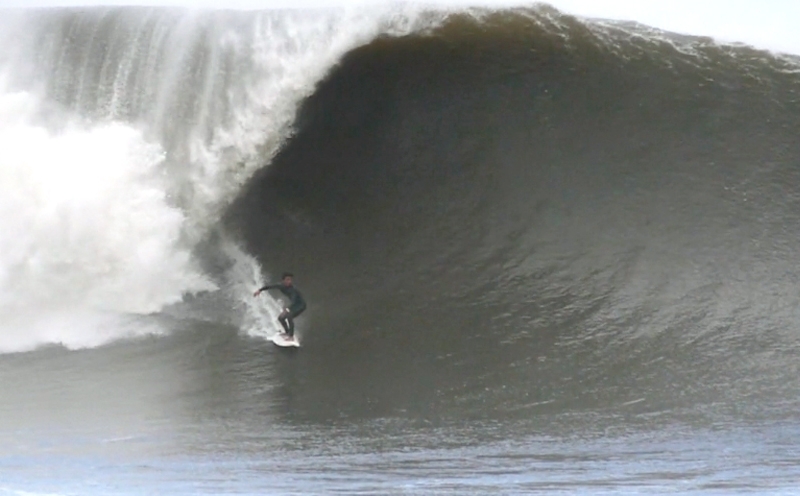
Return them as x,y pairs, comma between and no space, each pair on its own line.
280,340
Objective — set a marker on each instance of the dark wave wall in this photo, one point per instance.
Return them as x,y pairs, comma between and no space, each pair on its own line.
523,212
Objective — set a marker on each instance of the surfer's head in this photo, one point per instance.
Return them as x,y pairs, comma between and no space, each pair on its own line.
287,278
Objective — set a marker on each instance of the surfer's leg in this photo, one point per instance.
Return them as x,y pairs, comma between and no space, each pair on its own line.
282,318
291,314
290,327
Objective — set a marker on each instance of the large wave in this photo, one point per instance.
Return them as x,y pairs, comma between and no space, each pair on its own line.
512,208
521,206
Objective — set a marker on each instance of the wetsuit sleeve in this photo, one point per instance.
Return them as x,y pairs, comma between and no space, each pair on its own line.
270,286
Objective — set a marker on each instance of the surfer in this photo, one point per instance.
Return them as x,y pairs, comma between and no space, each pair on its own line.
296,302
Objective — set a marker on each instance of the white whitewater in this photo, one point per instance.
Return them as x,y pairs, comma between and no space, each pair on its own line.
123,135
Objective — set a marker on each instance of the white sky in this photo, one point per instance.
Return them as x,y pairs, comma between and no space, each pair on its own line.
770,24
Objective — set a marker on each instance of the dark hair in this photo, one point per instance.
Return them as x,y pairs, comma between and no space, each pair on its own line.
287,274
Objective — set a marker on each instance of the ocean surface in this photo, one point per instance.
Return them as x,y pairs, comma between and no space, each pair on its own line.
542,254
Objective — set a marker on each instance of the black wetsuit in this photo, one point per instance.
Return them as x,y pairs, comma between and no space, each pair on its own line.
296,305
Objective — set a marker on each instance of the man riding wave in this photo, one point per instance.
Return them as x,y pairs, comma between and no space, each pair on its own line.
296,303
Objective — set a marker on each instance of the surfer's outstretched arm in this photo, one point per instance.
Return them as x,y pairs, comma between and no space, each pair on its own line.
268,286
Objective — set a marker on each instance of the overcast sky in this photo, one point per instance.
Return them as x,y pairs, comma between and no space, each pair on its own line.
770,24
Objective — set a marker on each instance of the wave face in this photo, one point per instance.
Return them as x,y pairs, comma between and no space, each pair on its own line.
520,206
124,132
